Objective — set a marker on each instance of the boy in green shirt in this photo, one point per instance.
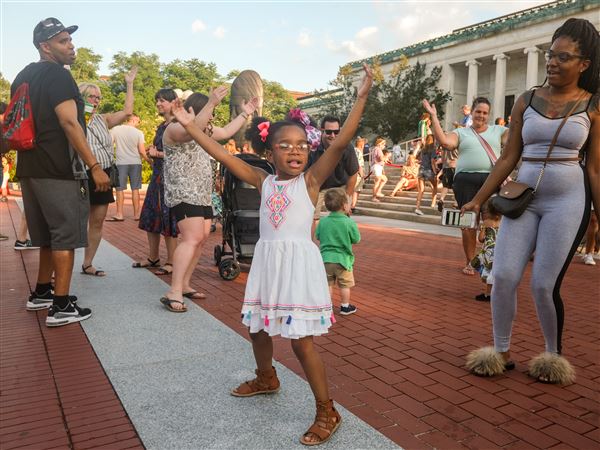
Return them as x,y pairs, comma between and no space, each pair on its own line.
336,233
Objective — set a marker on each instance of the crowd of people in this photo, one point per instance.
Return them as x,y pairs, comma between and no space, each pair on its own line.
80,154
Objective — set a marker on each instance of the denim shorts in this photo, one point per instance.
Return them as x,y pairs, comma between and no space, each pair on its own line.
133,172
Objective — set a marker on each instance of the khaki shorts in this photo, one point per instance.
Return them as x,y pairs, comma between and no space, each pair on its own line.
360,182
320,204
337,273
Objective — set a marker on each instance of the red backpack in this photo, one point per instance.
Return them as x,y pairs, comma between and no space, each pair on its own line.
18,129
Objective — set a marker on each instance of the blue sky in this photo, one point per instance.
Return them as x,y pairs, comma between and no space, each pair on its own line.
299,44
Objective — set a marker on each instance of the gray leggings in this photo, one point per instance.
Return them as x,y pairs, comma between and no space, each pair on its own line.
552,226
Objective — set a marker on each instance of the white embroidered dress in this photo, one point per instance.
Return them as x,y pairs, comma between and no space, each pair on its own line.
287,290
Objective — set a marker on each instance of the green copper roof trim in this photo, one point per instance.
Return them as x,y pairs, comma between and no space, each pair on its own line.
498,25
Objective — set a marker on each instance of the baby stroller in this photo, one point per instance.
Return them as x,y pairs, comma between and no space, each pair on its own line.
241,203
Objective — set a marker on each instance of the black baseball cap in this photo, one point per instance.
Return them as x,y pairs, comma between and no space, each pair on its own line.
48,28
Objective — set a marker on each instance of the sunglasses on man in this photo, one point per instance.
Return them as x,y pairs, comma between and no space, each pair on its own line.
332,132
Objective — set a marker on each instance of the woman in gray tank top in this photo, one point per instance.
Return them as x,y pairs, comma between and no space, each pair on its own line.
556,219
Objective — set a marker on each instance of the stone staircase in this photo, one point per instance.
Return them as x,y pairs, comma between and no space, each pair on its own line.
402,206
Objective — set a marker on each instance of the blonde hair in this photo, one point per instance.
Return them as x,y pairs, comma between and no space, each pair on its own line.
85,88
335,199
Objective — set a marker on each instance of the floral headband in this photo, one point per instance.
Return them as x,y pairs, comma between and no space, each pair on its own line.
312,133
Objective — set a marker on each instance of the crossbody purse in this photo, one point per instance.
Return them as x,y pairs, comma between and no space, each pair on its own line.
514,197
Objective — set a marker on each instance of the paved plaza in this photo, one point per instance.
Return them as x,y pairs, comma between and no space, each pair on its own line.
135,375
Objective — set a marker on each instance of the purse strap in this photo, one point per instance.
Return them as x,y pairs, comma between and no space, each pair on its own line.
555,138
486,146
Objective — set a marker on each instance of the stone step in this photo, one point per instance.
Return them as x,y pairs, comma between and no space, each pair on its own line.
400,201
386,205
404,194
398,215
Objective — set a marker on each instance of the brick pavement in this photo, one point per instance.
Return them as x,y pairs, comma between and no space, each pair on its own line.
398,362
54,392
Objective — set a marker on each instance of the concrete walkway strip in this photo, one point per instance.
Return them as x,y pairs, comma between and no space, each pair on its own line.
173,372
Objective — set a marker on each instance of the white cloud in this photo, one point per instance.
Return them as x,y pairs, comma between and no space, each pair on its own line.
219,32
365,43
304,39
366,32
198,26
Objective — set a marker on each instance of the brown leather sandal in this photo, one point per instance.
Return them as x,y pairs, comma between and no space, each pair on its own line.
266,382
327,421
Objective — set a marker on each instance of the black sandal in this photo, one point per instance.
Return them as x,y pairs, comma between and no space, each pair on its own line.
168,302
139,265
162,271
96,273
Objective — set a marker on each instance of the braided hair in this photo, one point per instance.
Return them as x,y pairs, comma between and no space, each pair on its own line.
587,38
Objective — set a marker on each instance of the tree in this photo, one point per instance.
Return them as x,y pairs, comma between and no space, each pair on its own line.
192,74
277,101
394,108
4,89
86,65
147,83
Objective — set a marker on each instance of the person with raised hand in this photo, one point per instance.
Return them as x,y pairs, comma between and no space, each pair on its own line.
188,189
287,292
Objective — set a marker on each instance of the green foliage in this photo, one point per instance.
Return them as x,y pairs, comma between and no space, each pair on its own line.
147,82
4,89
86,65
192,74
146,172
394,108
277,101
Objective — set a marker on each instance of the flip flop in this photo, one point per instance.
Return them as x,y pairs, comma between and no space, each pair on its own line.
115,219
194,295
96,273
162,271
168,302
139,265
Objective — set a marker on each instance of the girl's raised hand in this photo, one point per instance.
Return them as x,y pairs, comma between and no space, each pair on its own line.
251,106
130,76
367,82
430,108
217,94
183,117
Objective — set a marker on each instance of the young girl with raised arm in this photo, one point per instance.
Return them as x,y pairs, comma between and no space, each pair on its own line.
287,292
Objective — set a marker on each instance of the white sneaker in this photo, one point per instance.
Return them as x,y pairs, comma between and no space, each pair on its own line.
588,259
418,212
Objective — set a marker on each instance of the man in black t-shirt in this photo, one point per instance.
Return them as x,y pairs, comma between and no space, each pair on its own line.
52,175
346,171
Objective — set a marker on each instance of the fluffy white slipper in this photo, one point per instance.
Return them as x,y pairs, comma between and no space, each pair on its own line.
485,362
551,368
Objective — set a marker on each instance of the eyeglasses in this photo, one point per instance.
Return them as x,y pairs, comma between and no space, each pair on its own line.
286,148
94,97
332,132
562,57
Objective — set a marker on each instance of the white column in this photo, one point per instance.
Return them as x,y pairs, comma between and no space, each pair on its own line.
472,81
447,83
499,85
532,66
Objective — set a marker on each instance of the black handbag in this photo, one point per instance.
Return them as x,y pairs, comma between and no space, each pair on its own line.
113,174
514,197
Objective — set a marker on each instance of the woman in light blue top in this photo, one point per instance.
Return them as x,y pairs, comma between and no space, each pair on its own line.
474,163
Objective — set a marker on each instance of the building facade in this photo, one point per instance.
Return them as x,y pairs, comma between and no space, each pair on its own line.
498,59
